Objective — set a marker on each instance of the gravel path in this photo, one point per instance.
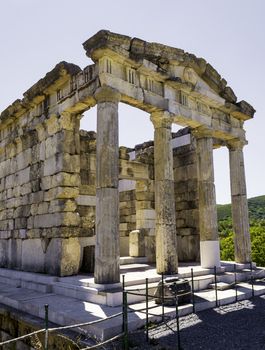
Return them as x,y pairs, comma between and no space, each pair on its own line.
237,326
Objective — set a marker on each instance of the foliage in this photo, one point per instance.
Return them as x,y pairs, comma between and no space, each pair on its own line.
257,230
256,207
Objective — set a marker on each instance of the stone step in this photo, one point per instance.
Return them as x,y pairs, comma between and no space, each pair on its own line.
27,276
201,282
141,281
134,267
37,286
75,308
10,281
259,272
82,287
79,292
240,276
198,271
230,266
126,260
220,286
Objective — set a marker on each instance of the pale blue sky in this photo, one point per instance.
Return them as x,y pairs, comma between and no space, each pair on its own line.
229,34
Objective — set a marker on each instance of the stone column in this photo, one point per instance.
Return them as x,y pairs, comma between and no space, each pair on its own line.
239,203
107,249
166,239
209,243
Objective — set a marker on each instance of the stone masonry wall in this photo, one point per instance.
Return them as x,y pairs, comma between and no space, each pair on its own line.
47,193
186,197
145,199
87,194
127,219
14,324
39,177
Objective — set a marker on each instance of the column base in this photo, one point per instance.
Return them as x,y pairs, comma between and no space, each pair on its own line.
210,254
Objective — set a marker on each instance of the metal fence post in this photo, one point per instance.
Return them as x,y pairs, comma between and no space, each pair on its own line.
125,322
215,284
146,309
235,280
192,291
163,308
46,339
123,283
177,315
252,285
123,312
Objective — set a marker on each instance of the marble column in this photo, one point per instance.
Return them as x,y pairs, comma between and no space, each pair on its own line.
239,203
209,242
166,239
107,249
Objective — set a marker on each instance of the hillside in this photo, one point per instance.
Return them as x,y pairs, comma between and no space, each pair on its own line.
256,206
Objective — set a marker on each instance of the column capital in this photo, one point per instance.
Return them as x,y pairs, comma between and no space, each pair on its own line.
68,114
161,119
107,94
236,144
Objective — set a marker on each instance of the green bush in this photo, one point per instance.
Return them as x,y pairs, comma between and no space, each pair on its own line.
257,233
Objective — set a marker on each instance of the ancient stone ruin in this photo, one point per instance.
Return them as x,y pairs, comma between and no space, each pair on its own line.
67,195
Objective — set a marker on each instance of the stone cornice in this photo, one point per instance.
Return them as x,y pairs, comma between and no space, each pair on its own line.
62,69
60,73
163,57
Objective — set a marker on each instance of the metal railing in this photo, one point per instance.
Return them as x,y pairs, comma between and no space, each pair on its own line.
126,309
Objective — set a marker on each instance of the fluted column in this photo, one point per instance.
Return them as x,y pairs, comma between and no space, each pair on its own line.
239,203
107,249
209,243
166,239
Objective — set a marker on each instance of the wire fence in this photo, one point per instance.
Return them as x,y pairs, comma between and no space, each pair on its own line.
126,309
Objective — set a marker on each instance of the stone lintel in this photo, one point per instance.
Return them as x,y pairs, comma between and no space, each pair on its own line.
202,132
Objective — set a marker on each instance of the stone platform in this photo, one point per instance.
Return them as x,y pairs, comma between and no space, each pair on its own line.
77,299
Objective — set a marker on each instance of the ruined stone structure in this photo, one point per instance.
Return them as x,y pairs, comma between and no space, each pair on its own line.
66,194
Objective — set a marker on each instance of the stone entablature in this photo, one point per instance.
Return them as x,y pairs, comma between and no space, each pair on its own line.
47,200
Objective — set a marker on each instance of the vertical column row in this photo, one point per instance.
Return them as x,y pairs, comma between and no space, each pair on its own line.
166,239
107,249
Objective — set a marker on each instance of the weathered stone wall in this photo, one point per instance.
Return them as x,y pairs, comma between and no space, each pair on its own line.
127,207
127,218
39,183
145,199
186,196
86,201
14,324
